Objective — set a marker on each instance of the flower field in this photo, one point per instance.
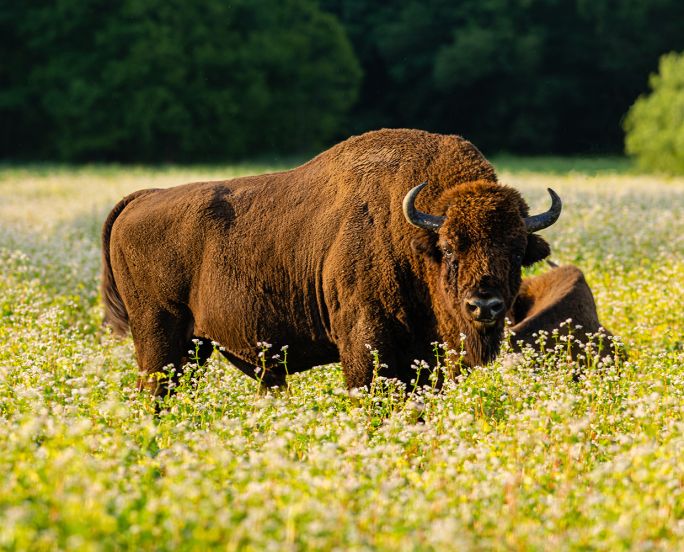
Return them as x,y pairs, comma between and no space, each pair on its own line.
516,455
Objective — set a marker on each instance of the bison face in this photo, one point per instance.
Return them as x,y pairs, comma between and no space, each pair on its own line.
479,248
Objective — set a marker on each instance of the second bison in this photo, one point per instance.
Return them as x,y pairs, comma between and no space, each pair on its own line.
346,250
559,302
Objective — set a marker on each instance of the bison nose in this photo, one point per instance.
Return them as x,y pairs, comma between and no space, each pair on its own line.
484,309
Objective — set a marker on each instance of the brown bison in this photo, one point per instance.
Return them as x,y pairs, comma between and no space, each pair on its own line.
545,302
325,258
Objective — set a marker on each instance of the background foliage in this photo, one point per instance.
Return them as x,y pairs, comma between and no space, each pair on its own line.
176,81
171,80
526,76
655,123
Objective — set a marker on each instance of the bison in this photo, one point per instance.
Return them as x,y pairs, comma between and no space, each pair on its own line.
545,302
343,251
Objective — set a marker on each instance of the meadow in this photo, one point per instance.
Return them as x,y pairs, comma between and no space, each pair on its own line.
516,455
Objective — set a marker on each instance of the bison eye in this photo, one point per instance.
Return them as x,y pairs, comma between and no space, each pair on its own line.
517,259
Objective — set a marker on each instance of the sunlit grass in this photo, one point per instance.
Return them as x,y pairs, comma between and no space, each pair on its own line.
587,166
520,454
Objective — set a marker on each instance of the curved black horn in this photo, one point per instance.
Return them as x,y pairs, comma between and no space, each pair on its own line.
544,220
416,217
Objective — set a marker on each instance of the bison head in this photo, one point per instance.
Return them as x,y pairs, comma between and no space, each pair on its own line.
477,250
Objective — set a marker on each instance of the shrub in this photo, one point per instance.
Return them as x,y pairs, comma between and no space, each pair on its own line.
655,123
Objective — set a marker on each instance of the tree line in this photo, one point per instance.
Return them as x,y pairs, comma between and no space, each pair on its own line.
155,81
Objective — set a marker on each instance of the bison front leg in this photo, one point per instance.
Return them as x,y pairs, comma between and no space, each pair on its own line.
367,350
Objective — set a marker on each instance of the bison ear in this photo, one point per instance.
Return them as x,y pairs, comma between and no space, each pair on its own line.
537,249
426,246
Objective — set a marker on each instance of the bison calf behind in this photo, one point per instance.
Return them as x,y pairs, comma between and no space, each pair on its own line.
546,302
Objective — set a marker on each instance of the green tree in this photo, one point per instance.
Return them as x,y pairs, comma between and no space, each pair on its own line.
523,76
148,80
655,123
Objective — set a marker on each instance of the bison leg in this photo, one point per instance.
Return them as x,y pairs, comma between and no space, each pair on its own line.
161,341
366,350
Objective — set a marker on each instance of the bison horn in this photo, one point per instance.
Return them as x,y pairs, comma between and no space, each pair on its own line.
416,217
544,220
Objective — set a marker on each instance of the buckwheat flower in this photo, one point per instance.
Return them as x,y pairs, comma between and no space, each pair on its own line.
417,405
355,393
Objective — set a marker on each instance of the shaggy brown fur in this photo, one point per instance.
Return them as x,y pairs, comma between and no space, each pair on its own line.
319,258
548,300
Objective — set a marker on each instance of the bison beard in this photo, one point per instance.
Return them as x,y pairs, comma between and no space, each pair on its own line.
482,347
323,259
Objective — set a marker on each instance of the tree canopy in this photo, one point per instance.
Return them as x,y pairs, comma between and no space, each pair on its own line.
152,80
172,80
655,123
533,76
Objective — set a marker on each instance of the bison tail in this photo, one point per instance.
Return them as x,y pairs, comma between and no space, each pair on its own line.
115,314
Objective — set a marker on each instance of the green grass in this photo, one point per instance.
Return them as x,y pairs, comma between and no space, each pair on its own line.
565,165
517,455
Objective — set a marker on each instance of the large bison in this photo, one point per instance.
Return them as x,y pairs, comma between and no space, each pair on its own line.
341,252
